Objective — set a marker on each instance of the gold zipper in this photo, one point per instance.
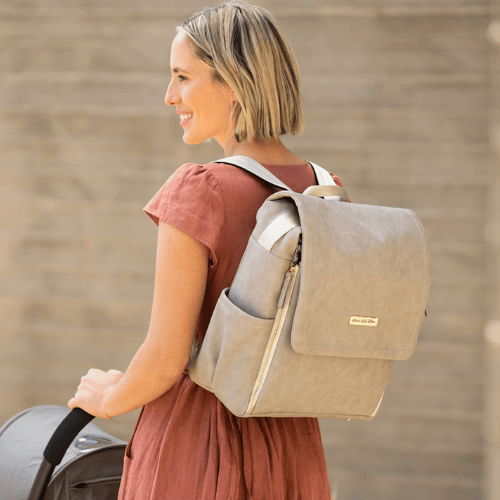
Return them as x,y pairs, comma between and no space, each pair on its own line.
283,305
378,406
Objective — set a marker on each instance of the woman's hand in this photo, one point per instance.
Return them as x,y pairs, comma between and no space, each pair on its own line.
180,283
93,390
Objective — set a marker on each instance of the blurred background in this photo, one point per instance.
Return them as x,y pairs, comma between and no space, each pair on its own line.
401,101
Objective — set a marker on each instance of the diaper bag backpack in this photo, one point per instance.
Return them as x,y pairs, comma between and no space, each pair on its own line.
328,294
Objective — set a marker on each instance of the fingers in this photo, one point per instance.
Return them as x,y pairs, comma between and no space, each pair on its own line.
93,386
95,371
95,374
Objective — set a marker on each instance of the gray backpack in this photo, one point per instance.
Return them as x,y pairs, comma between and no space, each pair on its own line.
326,297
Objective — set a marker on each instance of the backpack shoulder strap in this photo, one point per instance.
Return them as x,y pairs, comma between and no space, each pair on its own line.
324,177
255,168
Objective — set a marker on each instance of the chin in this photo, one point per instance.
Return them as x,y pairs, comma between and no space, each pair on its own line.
193,140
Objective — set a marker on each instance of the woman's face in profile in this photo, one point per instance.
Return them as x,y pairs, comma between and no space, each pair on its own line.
204,106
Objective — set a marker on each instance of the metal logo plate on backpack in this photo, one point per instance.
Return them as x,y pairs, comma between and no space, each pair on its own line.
363,321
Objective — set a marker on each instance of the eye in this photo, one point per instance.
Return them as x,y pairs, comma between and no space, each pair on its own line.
182,78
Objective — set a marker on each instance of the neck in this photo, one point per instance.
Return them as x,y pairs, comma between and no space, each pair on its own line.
271,152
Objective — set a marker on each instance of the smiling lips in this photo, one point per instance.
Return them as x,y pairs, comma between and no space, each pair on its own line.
185,118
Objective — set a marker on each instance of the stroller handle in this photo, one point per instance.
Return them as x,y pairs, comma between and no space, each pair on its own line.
68,429
54,452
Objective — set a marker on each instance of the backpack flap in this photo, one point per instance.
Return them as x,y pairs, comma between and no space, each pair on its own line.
365,279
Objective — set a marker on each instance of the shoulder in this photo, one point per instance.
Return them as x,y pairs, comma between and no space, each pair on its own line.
218,176
214,174
193,172
224,172
192,188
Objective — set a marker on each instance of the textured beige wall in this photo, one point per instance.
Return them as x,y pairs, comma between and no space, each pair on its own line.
491,417
396,97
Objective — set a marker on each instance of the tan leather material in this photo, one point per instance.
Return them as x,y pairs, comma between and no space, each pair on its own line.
267,214
315,332
248,291
344,386
327,192
278,228
228,363
380,268
323,176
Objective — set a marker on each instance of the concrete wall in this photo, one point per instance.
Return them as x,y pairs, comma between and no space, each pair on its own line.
491,418
396,98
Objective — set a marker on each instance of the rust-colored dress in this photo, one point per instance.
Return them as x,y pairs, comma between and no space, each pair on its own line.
186,445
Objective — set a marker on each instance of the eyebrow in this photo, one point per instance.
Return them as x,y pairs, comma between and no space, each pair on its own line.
179,70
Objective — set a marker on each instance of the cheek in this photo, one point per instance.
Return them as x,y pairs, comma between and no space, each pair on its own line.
210,104
221,107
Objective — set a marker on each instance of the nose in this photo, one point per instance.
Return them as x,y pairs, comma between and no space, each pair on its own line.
172,98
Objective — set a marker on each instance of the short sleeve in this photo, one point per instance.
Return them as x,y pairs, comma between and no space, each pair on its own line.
191,200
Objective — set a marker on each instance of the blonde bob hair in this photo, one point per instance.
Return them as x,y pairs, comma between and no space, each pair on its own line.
244,47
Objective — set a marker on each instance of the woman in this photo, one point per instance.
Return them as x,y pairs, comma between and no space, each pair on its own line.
234,79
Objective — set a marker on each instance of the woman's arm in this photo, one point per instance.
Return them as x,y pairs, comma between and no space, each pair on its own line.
180,282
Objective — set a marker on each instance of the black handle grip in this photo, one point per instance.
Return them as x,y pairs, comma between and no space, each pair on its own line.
68,429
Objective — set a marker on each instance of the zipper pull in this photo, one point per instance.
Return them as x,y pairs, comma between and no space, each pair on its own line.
286,284
297,255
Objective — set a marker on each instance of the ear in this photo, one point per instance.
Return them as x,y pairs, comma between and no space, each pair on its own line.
231,94
229,91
